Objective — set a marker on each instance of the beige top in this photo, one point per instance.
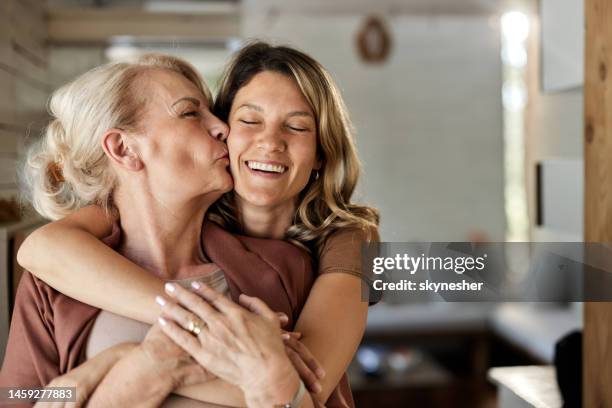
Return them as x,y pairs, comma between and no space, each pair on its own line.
110,329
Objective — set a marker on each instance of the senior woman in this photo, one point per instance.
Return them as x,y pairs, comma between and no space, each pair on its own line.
121,136
295,169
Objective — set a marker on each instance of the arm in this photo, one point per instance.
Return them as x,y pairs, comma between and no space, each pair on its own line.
68,254
336,294
86,377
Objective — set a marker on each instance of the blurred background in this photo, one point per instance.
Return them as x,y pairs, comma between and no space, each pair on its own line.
468,118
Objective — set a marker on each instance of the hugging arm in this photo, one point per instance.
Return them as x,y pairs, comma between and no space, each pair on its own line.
68,254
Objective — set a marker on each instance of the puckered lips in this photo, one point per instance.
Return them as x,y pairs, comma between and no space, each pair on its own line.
223,156
266,168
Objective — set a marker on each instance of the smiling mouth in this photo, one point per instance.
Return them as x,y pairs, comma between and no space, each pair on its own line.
266,167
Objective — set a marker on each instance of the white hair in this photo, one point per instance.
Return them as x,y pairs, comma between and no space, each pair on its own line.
67,168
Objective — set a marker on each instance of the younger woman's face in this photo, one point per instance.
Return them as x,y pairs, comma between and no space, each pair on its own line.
272,141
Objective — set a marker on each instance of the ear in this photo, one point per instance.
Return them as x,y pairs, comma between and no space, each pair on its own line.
119,148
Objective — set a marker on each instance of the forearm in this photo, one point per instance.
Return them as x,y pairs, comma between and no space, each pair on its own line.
148,386
337,297
86,377
278,386
70,262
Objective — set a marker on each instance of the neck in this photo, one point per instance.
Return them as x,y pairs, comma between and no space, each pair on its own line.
265,221
161,235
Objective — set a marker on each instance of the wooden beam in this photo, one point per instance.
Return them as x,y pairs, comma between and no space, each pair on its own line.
100,26
597,342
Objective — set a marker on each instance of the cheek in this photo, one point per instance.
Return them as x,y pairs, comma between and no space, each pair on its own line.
237,144
306,155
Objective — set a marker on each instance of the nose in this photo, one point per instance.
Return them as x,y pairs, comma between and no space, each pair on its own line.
271,140
217,128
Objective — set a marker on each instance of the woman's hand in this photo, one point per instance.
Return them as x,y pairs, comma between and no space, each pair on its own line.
183,369
238,346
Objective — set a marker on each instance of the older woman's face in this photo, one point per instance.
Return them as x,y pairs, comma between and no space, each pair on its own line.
272,142
182,145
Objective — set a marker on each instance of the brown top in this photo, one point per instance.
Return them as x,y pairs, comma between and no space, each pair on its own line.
342,252
49,330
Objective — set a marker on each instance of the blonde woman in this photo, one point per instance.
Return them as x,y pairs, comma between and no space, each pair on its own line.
294,167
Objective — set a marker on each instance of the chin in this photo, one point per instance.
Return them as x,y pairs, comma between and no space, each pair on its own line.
258,198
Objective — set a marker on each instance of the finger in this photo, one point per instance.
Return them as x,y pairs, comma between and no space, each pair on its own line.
175,312
220,302
305,373
284,319
181,337
191,301
257,306
306,356
287,335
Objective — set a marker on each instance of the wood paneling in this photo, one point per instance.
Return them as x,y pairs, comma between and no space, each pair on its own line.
597,346
99,26
24,83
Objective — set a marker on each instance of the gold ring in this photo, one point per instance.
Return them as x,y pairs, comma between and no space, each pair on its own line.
195,326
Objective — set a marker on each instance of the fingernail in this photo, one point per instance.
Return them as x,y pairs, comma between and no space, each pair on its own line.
196,285
285,336
162,321
320,373
160,300
284,317
317,388
170,287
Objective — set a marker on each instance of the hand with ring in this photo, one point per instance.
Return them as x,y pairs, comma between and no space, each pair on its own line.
242,346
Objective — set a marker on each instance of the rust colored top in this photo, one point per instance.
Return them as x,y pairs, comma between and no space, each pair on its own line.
49,330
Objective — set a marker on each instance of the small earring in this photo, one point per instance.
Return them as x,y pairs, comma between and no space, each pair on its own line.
316,174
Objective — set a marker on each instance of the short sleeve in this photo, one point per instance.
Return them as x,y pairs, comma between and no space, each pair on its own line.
31,358
342,252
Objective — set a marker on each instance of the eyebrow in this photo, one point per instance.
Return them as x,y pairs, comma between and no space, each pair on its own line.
260,109
193,100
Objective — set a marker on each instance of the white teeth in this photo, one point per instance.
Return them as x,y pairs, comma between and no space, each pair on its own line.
275,168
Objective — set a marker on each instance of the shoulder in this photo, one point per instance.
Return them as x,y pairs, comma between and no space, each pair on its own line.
342,250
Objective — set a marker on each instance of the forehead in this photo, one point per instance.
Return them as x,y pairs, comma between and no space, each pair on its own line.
166,86
273,90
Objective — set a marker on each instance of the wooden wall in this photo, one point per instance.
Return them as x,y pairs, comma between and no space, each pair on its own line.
24,85
597,348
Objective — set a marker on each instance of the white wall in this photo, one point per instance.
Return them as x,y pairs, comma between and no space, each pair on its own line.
429,122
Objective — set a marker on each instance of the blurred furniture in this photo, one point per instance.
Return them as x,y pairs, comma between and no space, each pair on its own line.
459,342
11,236
528,386
453,340
535,328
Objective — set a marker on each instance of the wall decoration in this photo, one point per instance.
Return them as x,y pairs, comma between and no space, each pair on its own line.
374,41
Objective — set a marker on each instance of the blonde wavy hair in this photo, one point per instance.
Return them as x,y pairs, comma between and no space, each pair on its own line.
67,168
325,203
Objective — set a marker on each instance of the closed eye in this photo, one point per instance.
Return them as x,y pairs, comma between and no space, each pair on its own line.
191,114
297,129
248,122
